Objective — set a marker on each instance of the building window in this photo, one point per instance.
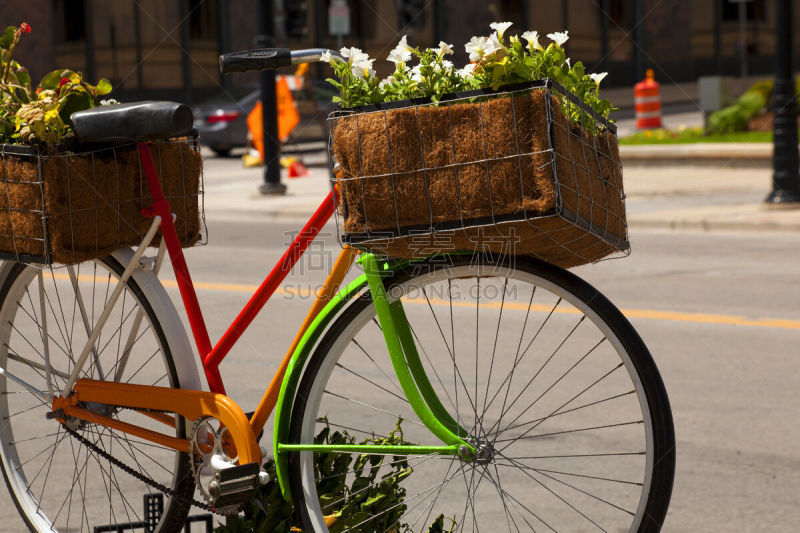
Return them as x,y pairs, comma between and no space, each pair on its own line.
71,21
204,19
620,13
514,11
411,15
754,10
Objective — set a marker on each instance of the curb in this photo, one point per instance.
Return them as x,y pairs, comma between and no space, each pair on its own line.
750,155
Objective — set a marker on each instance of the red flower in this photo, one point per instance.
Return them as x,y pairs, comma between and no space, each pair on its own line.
25,27
63,81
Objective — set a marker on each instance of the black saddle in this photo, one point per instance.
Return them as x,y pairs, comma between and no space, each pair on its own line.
134,122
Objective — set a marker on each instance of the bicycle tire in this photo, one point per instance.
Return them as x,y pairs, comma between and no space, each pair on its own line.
91,474
330,388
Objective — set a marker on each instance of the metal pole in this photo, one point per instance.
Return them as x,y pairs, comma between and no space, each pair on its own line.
604,32
785,178
186,62
137,29
89,25
638,40
440,21
743,38
272,149
718,36
224,38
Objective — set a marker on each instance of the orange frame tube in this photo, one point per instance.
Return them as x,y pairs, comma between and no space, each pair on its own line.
197,404
329,289
188,403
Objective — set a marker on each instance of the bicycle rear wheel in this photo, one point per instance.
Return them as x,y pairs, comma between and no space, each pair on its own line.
557,390
56,481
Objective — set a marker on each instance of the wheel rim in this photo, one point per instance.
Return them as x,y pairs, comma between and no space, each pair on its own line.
587,495
58,483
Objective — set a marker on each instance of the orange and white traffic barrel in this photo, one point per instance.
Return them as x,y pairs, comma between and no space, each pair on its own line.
647,97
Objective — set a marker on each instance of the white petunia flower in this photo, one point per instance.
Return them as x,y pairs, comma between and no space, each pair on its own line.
467,71
558,37
493,44
475,48
326,56
388,81
353,55
363,69
445,66
444,49
402,52
597,78
500,27
533,39
416,75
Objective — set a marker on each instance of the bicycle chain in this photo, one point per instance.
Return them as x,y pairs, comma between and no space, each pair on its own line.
141,477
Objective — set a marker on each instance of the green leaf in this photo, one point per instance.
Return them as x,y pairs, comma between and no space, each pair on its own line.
103,87
72,102
8,37
51,80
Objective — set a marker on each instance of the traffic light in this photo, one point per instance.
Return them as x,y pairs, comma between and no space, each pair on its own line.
411,14
296,18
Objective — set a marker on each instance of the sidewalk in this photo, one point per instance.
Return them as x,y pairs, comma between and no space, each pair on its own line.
720,196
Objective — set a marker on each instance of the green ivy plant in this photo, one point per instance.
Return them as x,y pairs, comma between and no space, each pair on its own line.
362,496
41,114
495,61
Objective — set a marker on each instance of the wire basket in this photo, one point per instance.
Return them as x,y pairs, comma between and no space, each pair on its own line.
72,206
527,170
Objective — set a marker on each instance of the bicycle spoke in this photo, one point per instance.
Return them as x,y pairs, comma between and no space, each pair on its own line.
380,369
401,398
575,397
563,500
572,474
362,404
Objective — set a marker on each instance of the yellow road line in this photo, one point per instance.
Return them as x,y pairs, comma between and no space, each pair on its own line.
651,314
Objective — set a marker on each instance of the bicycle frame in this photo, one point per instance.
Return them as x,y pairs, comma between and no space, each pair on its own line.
330,300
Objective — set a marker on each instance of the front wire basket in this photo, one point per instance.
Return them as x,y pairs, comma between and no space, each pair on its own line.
72,206
529,169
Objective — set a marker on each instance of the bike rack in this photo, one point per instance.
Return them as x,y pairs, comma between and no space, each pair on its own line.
153,507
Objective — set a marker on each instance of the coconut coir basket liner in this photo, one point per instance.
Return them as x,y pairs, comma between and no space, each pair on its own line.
68,208
508,174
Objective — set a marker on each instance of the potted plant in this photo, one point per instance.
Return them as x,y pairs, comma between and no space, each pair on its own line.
65,202
513,153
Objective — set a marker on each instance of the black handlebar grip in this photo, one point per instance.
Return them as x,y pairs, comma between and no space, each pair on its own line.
260,59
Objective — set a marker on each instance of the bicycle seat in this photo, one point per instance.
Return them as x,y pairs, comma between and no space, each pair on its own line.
134,122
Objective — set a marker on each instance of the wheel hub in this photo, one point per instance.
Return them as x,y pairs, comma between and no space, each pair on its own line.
484,453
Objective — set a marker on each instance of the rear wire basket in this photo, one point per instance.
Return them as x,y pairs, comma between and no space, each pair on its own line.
526,170
72,206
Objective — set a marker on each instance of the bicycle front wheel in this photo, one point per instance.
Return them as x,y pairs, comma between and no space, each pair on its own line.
557,391
56,481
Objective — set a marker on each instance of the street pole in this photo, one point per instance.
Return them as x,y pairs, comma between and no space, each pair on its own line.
638,40
266,39
786,176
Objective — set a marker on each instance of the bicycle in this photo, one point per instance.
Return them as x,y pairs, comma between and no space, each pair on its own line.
496,392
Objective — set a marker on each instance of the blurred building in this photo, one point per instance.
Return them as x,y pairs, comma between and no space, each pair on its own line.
158,49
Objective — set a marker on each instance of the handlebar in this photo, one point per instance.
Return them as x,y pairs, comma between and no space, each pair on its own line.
271,58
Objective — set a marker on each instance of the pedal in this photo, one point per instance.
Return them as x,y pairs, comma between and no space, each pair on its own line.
234,486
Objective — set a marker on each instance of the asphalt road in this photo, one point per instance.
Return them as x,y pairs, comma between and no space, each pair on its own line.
719,311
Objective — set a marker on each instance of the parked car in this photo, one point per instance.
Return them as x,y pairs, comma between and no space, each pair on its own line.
222,119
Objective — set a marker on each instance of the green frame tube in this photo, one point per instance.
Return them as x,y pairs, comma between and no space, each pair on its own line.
407,366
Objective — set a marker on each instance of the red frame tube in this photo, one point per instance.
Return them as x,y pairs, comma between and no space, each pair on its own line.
212,357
